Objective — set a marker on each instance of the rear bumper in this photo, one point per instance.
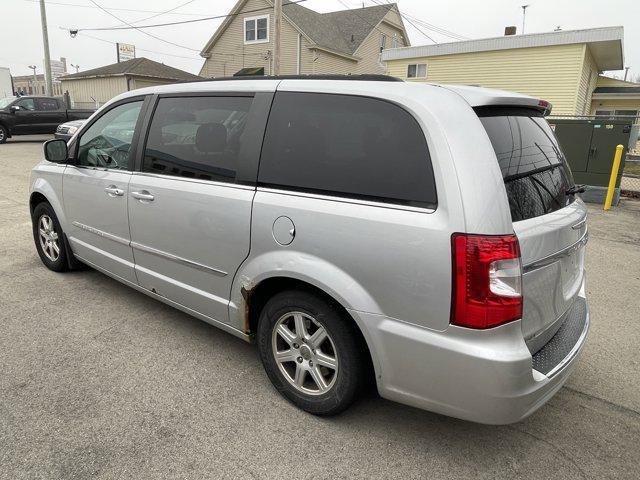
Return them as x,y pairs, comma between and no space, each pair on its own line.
482,376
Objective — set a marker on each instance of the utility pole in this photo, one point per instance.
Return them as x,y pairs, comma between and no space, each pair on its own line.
524,14
45,43
277,13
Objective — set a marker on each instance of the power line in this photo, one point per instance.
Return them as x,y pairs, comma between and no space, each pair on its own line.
412,18
165,12
142,31
195,57
63,4
203,19
437,29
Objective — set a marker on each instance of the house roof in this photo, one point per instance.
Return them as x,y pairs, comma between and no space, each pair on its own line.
605,44
342,31
139,67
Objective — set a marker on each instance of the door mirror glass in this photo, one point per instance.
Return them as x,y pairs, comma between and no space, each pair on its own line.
56,151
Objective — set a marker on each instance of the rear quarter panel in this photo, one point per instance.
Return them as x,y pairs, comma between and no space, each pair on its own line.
381,259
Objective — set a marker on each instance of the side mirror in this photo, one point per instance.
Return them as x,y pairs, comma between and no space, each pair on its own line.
56,150
15,108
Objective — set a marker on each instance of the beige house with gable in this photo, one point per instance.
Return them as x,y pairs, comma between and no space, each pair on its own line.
561,67
342,42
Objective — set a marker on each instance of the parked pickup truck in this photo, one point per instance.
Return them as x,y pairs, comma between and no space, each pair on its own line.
31,115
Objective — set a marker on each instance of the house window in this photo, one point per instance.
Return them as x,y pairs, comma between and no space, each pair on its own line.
394,41
256,29
417,70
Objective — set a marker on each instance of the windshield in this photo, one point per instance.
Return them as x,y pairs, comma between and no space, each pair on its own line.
4,102
535,172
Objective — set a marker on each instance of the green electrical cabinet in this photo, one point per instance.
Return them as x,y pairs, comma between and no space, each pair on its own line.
590,145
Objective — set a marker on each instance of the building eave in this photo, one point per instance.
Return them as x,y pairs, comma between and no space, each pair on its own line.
334,52
606,45
615,96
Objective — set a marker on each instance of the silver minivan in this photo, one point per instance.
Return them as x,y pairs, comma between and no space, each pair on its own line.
428,238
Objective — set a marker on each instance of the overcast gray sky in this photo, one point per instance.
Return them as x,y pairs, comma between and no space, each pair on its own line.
21,40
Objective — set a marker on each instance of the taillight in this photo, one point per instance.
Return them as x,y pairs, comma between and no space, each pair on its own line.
487,280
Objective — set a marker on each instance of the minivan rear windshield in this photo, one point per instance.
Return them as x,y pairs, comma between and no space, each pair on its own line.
535,171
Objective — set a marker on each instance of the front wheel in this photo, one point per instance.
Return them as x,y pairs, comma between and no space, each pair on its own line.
47,235
4,134
311,352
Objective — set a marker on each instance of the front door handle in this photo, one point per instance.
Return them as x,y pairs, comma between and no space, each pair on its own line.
114,191
143,195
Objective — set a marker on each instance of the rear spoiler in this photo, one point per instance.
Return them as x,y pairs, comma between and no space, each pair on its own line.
487,97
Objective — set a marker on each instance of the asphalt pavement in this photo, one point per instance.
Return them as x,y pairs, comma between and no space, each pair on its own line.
100,381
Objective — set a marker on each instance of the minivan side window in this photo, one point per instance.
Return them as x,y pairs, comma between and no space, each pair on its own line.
107,142
344,145
197,137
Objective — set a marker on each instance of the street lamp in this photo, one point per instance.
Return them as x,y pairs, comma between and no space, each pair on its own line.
77,67
524,14
35,79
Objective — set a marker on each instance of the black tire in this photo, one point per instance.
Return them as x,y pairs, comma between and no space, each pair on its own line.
59,264
351,365
4,134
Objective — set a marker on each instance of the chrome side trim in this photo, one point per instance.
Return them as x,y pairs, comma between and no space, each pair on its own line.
194,180
548,260
100,169
574,351
175,258
356,201
153,251
578,226
100,233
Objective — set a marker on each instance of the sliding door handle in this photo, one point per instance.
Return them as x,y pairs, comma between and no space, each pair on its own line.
114,191
143,195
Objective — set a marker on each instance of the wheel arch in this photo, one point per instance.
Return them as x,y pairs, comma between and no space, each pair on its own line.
5,125
35,199
43,191
256,292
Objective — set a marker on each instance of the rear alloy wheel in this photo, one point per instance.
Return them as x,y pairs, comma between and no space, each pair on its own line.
3,134
47,234
305,353
311,351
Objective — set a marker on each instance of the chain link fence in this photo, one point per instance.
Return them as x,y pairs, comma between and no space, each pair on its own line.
630,183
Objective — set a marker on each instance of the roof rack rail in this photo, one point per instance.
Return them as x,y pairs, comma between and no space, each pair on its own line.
362,77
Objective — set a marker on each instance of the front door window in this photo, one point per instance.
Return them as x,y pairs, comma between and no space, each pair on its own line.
107,143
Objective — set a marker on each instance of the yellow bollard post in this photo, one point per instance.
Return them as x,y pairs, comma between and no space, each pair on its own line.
614,174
